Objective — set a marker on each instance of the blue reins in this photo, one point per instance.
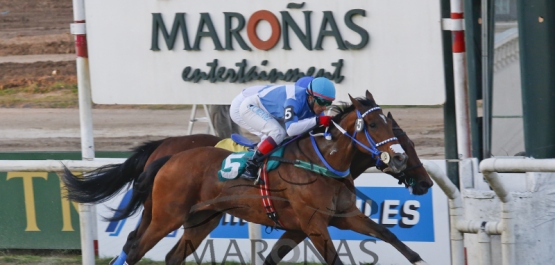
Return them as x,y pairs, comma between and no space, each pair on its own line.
373,148
336,172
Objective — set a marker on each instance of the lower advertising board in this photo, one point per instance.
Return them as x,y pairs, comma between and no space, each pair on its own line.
33,211
421,222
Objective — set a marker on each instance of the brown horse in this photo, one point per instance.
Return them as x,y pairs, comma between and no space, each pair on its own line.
329,201
114,177
414,173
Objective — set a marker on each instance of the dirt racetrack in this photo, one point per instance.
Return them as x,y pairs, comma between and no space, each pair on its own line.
35,40
23,129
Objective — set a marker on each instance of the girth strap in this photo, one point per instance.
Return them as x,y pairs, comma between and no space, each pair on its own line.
266,198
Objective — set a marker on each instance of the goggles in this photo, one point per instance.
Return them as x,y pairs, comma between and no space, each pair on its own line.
322,102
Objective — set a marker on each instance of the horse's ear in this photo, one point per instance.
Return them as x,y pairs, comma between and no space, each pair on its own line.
389,115
369,95
355,103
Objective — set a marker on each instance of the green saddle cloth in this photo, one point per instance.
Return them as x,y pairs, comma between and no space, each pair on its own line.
234,165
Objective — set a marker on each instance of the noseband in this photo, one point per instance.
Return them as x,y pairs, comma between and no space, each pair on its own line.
373,146
402,177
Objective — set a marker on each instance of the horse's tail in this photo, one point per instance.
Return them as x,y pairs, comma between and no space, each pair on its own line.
142,188
104,182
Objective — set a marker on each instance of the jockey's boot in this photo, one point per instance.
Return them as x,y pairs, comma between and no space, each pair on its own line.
251,171
253,164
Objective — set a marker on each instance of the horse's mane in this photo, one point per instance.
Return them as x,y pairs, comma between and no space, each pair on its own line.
344,108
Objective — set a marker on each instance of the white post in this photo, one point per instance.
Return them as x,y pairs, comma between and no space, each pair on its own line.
485,246
455,211
255,233
86,211
459,71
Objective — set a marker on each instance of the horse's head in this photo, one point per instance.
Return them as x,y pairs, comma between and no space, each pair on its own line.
373,132
414,175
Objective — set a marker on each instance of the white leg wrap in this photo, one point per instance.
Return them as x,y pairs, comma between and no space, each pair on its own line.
420,263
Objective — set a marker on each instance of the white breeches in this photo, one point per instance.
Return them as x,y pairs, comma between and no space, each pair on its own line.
252,116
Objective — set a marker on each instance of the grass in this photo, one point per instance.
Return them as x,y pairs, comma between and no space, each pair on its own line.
64,95
76,260
73,257
58,260
59,95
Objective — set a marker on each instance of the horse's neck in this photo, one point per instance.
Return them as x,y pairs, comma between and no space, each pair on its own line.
361,161
338,152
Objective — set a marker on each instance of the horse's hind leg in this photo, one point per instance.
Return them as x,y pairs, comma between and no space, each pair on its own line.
362,224
196,229
282,247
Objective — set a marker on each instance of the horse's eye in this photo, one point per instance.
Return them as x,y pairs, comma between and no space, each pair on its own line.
372,125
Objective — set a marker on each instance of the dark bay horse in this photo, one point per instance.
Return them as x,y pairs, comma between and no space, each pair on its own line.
321,202
114,177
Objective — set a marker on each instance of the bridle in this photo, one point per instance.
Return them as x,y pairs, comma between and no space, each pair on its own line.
402,177
360,125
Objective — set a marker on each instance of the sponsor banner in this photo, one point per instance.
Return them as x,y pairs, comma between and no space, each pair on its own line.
421,222
33,211
206,52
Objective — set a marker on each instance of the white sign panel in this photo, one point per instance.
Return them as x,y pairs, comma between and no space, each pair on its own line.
206,52
421,222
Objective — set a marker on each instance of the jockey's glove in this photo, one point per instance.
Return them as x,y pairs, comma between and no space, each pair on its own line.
324,120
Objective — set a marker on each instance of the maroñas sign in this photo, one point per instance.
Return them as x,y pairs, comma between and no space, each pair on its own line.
186,52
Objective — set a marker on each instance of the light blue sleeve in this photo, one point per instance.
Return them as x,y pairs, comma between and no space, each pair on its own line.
293,125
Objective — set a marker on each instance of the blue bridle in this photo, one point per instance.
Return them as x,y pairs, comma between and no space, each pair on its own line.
373,148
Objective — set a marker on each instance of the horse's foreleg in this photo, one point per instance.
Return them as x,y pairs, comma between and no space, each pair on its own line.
196,229
283,246
138,232
135,234
362,224
321,239
154,233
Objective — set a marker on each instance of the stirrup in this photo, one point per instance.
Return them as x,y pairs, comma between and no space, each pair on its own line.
257,180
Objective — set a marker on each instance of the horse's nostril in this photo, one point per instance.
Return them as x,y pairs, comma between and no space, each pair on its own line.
400,157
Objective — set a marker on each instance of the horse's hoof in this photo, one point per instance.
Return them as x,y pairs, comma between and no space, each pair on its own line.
420,263
113,260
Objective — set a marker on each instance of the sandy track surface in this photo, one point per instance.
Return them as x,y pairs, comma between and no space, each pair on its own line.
123,129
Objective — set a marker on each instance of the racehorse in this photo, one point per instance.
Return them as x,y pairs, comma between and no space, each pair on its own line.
114,177
322,201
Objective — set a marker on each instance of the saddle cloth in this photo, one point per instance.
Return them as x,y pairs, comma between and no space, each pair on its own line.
234,165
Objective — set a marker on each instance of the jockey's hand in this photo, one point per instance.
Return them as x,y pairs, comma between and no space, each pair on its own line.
324,120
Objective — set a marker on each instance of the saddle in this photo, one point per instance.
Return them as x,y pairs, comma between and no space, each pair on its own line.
237,143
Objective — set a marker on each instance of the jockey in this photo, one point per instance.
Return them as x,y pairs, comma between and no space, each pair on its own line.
236,103
271,112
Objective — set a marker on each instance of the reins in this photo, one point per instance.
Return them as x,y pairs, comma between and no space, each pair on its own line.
359,126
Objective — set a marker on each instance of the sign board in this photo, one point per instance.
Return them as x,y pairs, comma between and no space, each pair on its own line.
206,52
421,222
34,214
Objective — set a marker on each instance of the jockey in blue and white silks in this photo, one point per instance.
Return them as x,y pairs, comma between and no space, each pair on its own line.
273,112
